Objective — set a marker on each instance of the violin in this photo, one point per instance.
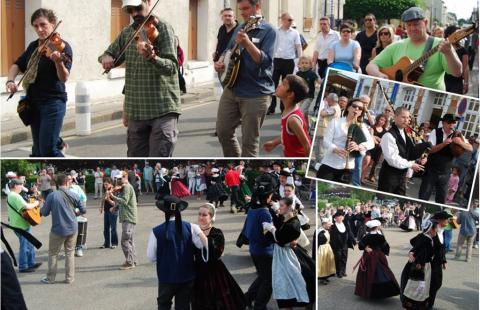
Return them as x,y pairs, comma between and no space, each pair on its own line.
55,44
148,33
457,150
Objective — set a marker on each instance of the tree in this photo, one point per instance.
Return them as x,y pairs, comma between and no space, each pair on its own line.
20,167
382,9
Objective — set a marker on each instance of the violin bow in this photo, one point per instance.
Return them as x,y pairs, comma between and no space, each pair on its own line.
44,44
134,35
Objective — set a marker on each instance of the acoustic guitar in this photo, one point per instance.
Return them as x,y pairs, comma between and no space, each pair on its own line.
409,71
232,56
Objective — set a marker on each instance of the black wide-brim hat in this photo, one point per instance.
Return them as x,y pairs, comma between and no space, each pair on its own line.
441,215
285,173
339,213
170,204
449,117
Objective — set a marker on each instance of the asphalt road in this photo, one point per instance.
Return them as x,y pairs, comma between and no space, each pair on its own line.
99,284
459,290
196,128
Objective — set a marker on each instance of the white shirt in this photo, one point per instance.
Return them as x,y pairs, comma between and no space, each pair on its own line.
323,43
286,43
391,153
341,227
336,137
433,136
152,241
114,173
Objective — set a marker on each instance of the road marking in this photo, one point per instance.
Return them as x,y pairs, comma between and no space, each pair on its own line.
121,125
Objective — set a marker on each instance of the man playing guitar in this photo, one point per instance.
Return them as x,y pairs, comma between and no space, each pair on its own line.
414,47
247,101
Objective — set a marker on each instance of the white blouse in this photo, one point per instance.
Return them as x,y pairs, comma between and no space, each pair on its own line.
336,137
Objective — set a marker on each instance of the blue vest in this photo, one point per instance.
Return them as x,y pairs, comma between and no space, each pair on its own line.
174,256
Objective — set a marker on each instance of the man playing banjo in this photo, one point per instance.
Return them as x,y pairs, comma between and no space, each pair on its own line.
247,101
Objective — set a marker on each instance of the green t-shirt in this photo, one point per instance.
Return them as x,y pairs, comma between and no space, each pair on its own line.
15,220
433,75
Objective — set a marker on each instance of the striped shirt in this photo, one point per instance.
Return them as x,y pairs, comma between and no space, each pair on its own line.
151,89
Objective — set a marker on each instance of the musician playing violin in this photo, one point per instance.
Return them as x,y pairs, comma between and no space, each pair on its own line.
44,82
246,103
152,92
440,160
414,46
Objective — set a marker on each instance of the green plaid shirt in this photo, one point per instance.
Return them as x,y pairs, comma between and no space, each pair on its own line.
151,89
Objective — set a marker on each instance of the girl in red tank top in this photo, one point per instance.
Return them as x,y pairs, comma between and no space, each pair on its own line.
294,133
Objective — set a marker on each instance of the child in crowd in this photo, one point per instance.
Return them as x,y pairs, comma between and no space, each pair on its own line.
294,136
453,184
305,72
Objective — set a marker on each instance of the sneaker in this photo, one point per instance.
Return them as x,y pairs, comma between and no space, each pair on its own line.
113,247
27,270
67,281
79,253
475,246
46,281
127,266
233,210
103,246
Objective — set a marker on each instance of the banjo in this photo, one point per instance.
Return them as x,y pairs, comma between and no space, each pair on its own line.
231,59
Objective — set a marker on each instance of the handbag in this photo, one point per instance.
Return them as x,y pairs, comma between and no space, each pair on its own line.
31,216
25,111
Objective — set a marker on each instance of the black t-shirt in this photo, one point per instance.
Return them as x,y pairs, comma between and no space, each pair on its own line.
310,77
367,44
46,85
452,83
223,37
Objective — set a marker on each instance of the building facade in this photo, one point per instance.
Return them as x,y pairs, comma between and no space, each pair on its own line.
425,104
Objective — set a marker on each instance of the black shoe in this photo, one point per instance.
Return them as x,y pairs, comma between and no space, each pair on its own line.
344,274
27,270
36,266
339,276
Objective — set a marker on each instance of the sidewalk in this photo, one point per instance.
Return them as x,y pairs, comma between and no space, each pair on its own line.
102,111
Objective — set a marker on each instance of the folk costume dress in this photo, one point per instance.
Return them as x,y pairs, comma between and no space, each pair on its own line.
326,259
216,192
178,188
293,277
214,287
375,280
415,283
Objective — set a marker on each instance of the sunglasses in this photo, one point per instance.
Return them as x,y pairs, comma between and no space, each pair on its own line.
133,9
357,107
385,33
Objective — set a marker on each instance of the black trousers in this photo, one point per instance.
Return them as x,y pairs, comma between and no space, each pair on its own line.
331,174
12,297
391,182
322,67
281,68
235,198
181,291
341,256
261,289
431,180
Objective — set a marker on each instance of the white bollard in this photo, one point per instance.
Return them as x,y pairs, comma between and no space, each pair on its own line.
82,110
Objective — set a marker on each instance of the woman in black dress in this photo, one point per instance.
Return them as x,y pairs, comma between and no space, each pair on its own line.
375,280
216,192
286,236
214,286
162,181
373,156
417,273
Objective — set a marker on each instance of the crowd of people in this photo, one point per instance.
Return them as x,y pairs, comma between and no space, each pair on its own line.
352,144
274,228
364,225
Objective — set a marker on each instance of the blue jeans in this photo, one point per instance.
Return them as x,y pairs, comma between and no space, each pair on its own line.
357,171
110,228
46,127
26,257
447,238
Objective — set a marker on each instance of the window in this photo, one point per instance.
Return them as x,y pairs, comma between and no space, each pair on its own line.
439,99
470,124
409,95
